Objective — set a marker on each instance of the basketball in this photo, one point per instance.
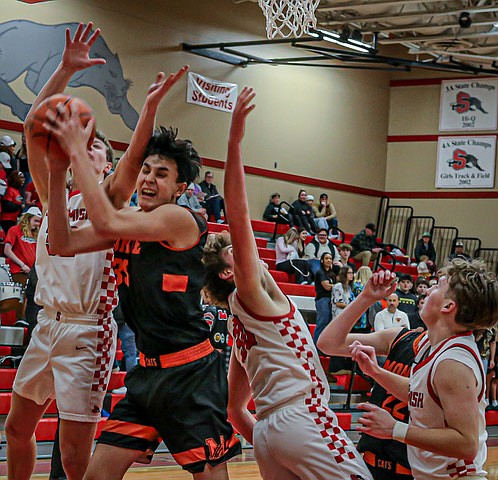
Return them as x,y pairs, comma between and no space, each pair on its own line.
45,139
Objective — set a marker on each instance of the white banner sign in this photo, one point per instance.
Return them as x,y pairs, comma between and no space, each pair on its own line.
466,162
469,104
211,93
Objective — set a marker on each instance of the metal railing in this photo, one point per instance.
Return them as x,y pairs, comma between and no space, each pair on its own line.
395,225
490,256
277,223
443,239
416,227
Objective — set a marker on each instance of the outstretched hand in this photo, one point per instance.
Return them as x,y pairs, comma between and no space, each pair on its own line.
380,285
71,135
242,108
76,54
163,85
375,421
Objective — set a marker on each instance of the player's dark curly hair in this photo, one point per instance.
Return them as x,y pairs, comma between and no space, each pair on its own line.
217,288
165,144
475,291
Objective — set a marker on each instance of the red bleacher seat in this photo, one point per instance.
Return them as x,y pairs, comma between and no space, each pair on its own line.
261,242
45,431
300,290
281,276
8,318
344,420
217,227
267,252
116,381
272,264
7,378
268,227
491,417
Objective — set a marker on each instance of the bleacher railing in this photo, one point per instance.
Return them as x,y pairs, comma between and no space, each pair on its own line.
284,222
472,245
395,225
490,256
443,239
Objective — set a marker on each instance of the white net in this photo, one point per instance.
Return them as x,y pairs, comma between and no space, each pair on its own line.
287,18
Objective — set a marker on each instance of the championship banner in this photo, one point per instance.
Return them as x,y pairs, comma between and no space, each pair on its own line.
469,104
466,162
211,93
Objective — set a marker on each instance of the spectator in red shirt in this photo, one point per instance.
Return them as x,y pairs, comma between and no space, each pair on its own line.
20,249
12,201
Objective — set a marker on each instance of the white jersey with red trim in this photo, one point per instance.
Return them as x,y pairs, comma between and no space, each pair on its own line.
279,356
79,284
426,411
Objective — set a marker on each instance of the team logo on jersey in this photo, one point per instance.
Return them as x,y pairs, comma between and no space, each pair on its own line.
209,318
244,340
217,450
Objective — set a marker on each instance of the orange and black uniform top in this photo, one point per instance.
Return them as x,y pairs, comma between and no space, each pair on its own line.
399,360
159,289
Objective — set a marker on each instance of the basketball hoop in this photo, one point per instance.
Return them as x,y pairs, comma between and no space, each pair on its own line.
287,18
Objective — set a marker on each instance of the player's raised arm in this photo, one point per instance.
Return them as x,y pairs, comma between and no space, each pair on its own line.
247,265
121,185
76,56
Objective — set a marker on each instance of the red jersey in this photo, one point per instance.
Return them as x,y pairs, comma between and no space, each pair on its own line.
35,199
24,247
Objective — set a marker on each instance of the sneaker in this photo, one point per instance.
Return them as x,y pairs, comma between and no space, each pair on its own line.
120,391
494,403
21,323
220,220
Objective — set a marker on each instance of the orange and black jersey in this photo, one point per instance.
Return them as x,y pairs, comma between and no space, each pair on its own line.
399,360
159,289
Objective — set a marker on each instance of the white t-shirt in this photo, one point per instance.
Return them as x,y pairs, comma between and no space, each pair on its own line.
385,319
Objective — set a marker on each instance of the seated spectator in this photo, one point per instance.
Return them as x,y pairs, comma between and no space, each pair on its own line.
407,299
391,317
425,251
213,200
423,271
302,213
324,282
12,201
345,250
317,247
414,317
32,198
301,242
324,209
189,200
319,222
275,214
421,286
361,278
20,249
21,160
459,253
365,247
287,257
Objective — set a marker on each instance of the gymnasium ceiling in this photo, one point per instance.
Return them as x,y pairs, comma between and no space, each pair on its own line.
458,36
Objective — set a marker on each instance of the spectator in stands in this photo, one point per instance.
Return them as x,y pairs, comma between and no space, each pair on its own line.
301,213
407,299
274,213
317,247
213,200
421,286
345,250
32,199
12,201
301,241
365,247
361,278
459,252
423,271
318,222
391,317
189,200
21,159
287,257
324,283
486,344
414,317
7,147
425,251
325,209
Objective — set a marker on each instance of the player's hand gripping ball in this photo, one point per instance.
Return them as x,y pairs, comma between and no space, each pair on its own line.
45,139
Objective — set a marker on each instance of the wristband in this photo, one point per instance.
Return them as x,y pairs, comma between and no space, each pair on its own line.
399,431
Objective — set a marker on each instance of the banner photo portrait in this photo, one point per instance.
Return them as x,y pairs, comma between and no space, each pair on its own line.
211,93
469,104
466,162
